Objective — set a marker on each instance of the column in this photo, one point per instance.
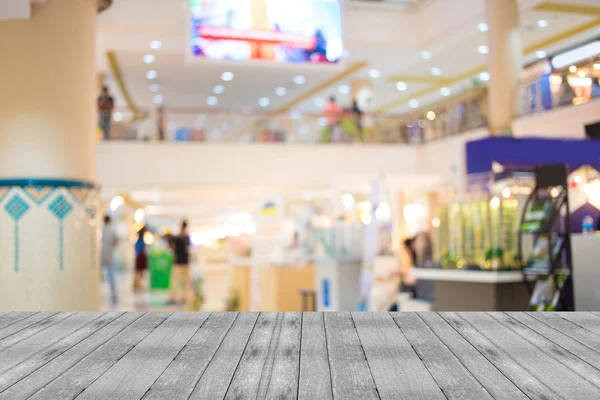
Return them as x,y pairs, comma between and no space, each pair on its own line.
48,196
505,63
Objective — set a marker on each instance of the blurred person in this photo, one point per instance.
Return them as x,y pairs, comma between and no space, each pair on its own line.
595,87
566,94
357,115
332,112
407,284
161,123
107,256
141,261
106,104
181,270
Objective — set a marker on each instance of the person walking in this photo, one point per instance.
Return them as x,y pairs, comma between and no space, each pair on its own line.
181,270
110,241
141,261
105,108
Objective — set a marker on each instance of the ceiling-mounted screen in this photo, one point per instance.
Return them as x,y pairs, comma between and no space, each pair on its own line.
280,31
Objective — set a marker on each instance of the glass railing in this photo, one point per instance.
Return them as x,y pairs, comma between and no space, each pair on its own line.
572,87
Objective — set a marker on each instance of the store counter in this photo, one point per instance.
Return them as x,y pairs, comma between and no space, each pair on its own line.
467,290
338,283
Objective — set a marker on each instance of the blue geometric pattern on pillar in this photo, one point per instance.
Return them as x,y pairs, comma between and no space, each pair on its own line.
16,209
60,207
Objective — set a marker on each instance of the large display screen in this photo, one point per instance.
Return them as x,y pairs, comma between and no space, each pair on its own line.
282,31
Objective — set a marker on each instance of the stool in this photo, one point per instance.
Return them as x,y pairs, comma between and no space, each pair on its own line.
305,293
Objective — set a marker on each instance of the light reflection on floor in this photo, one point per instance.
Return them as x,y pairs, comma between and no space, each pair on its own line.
129,301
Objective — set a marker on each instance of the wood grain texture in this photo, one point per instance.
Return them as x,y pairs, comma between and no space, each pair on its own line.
494,381
218,375
521,377
283,383
79,377
452,377
315,376
350,372
299,355
396,368
39,358
247,378
134,374
179,379
539,362
30,384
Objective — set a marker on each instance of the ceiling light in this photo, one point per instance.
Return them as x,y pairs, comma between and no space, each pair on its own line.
445,91
118,116
319,102
149,58
219,89
212,101
542,23
483,49
597,67
116,202
348,201
581,74
483,27
139,215
374,73
299,79
158,99
435,71
572,69
280,91
540,54
431,115
401,86
264,102
155,44
155,87
227,76
152,74
295,114
414,103
344,89
484,76
426,55
585,52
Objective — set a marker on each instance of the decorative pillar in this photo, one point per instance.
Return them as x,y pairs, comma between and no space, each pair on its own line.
48,196
505,63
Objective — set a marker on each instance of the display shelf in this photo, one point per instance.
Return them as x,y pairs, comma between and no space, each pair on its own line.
458,275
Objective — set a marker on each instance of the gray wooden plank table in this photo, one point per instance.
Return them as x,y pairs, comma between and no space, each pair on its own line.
299,355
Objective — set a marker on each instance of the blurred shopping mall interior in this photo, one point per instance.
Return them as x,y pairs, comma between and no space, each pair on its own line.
299,155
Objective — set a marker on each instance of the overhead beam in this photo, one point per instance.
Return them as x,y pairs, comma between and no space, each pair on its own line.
116,71
567,8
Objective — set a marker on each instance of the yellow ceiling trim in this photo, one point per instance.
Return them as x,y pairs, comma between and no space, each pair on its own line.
530,49
552,6
306,95
116,71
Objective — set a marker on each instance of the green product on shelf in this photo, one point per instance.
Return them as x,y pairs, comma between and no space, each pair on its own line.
535,216
160,264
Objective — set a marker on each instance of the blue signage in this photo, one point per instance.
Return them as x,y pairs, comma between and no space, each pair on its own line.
326,300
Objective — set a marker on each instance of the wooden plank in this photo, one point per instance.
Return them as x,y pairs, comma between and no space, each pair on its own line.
76,379
350,374
33,345
9,318
451,376
494,381
246,380
179,380
589,321
267,369
522,378
286,367
396,369
30,384
133,375
44,356
566,341
27,326
315,376
539,363
218,375
570,329
563,356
